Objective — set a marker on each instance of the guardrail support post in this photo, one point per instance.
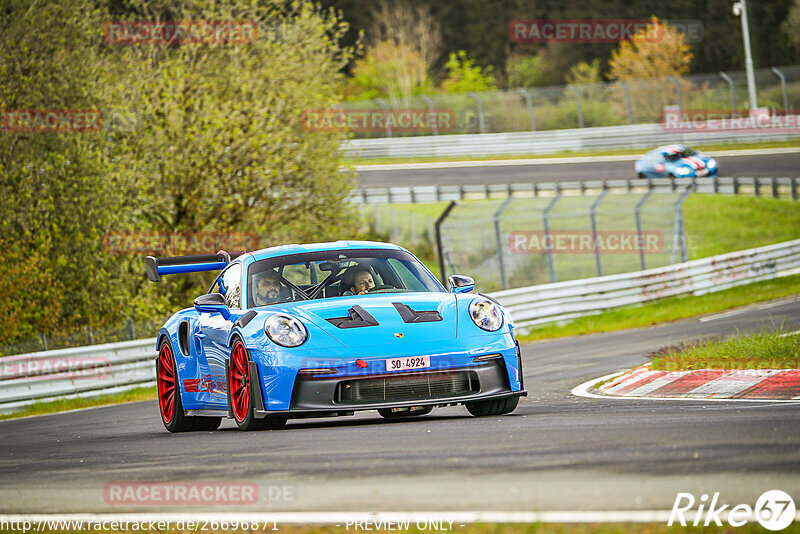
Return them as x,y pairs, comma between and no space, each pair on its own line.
529,105
679,230
794,188
395,226
431,108
756,187
592,215
677,83
481,122
774,181
735,185
439,248
129,327
731,90
780,75
628,106
382,103
549,241
639,234
498,238
577,104
43,339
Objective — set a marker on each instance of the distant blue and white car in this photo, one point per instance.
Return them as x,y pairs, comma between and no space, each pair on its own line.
675,160
330,329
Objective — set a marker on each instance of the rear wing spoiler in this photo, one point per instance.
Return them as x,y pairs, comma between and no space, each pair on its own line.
156,267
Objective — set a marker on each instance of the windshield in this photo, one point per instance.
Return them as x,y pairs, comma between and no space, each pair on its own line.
678,155
336,273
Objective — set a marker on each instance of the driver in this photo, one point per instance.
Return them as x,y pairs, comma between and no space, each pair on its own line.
362,281
268,288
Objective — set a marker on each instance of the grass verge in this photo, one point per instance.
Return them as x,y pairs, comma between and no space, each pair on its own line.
42,408
765,349
565,154
670,309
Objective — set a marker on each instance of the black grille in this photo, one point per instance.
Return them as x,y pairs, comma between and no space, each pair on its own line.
407,387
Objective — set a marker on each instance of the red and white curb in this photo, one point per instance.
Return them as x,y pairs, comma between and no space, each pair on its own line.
773,385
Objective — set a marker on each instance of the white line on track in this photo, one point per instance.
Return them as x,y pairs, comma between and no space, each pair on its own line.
553,161
766,306
460,518
585,390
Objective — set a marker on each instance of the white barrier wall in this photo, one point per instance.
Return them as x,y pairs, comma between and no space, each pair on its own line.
548,141
566,300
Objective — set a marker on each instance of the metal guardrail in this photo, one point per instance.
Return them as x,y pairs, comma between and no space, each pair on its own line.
547,142
561,301
105,369
88,371
776,187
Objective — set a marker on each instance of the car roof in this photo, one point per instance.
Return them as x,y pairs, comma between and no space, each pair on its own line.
670,149
282,250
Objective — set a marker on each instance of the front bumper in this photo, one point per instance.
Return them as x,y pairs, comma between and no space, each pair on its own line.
344,395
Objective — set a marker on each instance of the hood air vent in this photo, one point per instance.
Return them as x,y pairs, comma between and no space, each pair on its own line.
358,318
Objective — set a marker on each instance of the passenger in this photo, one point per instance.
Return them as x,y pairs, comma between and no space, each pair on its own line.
360,280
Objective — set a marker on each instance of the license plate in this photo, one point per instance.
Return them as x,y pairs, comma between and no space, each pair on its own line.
405,364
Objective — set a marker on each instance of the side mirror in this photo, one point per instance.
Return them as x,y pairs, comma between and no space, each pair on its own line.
212,303
460,283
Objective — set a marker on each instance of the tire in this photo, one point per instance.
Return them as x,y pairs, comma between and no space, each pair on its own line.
169,396
242,404
640,175
493,407
387,413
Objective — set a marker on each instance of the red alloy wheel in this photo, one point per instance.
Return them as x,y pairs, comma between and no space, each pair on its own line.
166,382
240,382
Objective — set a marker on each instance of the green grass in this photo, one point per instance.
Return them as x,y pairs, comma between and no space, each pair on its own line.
718,224
766,349
565,154
670,309
42,408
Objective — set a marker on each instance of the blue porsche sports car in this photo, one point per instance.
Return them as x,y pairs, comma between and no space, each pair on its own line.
675,160
328,329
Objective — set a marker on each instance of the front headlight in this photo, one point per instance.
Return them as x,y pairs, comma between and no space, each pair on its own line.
486,314
711,164
285,331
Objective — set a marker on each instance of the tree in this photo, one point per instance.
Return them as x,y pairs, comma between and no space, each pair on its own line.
655,52
390,70
464,76
524,71
217,143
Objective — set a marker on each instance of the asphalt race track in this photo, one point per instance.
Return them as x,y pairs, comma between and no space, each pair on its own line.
556,452
750,165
